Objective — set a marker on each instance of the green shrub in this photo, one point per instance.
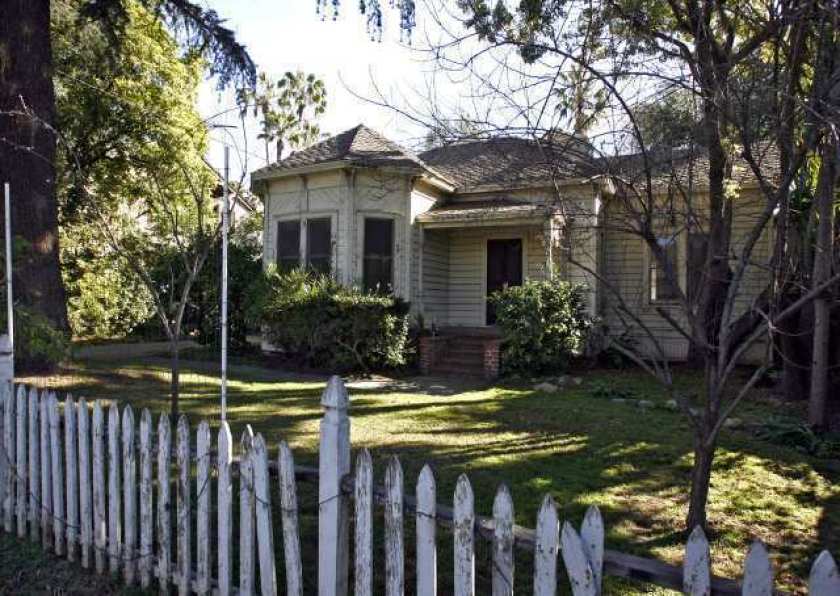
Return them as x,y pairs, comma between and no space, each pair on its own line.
543,323
332,326
39,346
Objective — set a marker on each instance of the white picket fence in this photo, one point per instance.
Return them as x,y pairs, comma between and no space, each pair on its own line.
100,490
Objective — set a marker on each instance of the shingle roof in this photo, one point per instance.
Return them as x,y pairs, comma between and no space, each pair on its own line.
509,162
358,146
484,210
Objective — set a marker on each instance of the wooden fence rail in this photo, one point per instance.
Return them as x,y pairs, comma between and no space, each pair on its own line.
99,491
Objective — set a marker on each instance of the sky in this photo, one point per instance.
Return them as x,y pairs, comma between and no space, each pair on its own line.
284,35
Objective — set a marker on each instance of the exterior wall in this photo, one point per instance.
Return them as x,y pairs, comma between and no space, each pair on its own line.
626,262
433,293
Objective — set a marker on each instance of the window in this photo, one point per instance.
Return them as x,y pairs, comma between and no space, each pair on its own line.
288,245
378,266
661,288
319,245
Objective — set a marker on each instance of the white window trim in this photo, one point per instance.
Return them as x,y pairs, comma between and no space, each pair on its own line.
681,239
398,265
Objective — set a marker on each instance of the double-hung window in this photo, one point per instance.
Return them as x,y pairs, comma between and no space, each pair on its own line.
318,241
378,264
664,283
288,245
318,245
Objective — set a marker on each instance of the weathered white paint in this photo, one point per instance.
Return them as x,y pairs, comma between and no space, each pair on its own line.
464,536
426,531
85,489
184,507
224,509
164,503
265,528
592,536
129,552
46,474
394,549
4,468
114,492
758,571
71,443
21,469
57,469
147,518
34,466
503,542
333,464
203,490
581,576
100,524
289,516
546,548
363,500
824,579
247,513
9,446
696,572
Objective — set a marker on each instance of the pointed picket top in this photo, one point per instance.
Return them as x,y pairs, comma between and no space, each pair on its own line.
592,536
758,571
581,576
696,572
246,441
335,394
426,533
503,568
546,548
464,518
824,579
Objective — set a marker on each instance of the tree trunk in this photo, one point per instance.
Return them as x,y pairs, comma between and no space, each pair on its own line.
701,475
175,374
823,260
27,153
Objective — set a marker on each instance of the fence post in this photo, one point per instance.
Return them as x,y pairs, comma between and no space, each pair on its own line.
334,464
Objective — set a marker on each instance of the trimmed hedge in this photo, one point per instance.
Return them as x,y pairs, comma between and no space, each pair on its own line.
544,324
332,326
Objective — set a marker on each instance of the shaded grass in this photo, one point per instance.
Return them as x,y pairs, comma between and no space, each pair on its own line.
633,464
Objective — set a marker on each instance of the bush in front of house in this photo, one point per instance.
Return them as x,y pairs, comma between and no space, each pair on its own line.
544,324
328,325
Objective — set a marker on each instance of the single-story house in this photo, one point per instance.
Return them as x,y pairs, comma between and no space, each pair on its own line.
446,227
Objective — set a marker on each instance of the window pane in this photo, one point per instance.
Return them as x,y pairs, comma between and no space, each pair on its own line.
288,245
377,270
319,244
661,287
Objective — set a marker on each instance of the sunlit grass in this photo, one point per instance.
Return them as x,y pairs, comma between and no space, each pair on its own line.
633,464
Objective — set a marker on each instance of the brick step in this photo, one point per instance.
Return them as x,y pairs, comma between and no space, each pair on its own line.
461,359
452,370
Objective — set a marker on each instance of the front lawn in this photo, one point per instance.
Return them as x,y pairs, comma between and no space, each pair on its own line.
632,463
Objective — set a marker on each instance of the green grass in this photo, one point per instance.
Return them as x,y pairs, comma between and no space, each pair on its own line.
584,450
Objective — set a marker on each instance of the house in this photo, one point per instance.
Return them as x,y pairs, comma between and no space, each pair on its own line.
446,227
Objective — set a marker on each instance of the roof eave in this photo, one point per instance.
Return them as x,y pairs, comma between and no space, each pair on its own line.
271,174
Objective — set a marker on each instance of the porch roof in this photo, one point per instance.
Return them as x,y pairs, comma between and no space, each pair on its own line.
495,211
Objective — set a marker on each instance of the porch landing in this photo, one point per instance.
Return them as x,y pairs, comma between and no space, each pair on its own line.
471,352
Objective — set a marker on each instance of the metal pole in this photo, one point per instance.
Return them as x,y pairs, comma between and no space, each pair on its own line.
225,209
9,308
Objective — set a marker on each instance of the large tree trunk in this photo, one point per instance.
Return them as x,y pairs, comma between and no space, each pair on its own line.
701,476
823,261
27,153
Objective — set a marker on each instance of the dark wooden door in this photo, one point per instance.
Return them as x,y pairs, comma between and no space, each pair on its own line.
504,268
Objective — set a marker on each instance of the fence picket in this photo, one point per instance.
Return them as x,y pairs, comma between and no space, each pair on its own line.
394,548
247,522
363,491
129,496
4,469
581,576
824,579
289,515
592,536
46,475
71,443
202,522
503,543
184,507
9,446
225,504
34,467
114,492
758,572
144,562
164,503
426,532
57,469
265,528
85,494
100,526
464,535
546,548
21,470
696,572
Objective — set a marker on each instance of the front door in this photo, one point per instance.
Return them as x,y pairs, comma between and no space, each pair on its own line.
504,268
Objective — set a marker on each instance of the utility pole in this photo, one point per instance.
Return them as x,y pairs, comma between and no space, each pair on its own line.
225,223
10,310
